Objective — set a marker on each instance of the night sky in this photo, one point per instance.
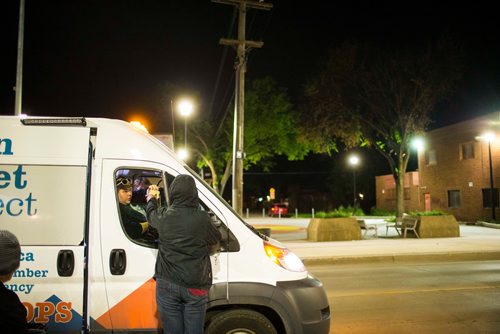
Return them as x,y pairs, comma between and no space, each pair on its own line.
109,58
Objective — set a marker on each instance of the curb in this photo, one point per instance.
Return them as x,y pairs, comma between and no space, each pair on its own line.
486,224
403,258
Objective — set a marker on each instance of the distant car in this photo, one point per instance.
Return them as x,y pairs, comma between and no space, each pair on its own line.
278,209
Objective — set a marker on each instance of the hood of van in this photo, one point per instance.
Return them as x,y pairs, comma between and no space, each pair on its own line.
183,192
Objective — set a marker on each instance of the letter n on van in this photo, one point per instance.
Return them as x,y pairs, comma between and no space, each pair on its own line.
5,146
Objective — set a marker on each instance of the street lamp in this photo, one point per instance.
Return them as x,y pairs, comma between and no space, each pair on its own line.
354,161
185,108
489,137
418,144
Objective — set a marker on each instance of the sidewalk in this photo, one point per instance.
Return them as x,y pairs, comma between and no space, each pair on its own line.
475,243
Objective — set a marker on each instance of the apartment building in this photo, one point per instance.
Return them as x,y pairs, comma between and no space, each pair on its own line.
453,172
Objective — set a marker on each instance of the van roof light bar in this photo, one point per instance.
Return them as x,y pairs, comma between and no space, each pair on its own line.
77,121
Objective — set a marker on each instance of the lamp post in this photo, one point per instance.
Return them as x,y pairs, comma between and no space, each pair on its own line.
354,161
185,108
489,137
418,144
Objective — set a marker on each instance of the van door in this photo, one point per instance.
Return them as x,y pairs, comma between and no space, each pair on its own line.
44,187
128,263
46,211
128,259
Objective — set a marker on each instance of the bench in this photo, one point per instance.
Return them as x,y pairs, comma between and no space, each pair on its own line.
367,227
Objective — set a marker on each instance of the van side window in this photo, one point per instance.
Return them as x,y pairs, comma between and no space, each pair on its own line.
131,189
229,243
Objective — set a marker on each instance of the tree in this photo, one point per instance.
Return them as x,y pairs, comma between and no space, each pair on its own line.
368,96
270,130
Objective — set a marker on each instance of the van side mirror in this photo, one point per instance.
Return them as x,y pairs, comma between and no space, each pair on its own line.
228,242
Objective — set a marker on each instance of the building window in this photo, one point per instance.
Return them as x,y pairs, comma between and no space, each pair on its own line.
453,198
467,151
407,194
430,157
487,197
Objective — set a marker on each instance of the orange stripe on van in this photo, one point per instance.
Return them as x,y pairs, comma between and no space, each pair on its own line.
137,310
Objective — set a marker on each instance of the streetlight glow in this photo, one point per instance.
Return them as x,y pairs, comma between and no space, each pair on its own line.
488,137
139,125
354,160
418,143
185,108
182,154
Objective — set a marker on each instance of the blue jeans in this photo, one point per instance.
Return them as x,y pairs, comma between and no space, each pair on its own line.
182,310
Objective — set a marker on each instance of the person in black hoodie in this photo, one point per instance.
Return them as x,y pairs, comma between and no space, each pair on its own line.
183,270
12,311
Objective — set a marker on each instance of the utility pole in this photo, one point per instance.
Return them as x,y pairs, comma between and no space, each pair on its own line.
241,46
19,74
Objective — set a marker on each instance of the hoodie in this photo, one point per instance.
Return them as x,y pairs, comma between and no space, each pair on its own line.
185,236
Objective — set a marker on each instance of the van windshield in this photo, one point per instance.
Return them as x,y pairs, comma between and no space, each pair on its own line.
223,201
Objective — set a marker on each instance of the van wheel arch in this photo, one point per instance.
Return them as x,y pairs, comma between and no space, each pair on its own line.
246,321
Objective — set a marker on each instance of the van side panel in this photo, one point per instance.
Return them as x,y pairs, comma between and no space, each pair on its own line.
43,187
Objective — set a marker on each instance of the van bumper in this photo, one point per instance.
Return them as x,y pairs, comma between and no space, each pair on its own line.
305,306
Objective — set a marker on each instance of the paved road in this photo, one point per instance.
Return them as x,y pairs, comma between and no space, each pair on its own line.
450,297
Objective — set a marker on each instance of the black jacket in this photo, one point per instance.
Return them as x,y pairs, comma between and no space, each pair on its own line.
131,221
12,312
185,236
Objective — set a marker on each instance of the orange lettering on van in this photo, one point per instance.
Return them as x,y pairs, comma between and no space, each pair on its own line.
63,312
30,311
45,309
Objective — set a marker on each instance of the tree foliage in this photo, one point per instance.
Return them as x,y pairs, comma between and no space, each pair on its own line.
383,99
270,129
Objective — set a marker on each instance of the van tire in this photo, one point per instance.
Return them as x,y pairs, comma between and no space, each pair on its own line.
240,322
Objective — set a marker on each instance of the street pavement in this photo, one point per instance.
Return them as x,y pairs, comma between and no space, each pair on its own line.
475,243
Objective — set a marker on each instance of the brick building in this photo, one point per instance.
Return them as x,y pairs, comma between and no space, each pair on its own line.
454,172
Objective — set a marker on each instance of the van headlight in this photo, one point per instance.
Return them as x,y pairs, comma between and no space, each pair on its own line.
283,257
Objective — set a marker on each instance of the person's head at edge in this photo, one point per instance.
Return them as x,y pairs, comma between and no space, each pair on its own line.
183,191
10,255
124,188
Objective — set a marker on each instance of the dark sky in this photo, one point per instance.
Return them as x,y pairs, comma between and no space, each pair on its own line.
109,58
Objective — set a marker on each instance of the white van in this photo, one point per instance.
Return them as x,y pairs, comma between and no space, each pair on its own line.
80,270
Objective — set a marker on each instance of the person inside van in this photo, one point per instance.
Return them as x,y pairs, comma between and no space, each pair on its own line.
134,221
141,185
183,271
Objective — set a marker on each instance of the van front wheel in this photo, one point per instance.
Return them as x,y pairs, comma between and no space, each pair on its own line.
239,322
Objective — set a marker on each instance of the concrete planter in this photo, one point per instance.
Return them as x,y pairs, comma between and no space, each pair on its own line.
333,229
438,227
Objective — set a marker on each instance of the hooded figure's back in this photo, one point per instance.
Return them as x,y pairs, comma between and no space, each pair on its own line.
185,236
